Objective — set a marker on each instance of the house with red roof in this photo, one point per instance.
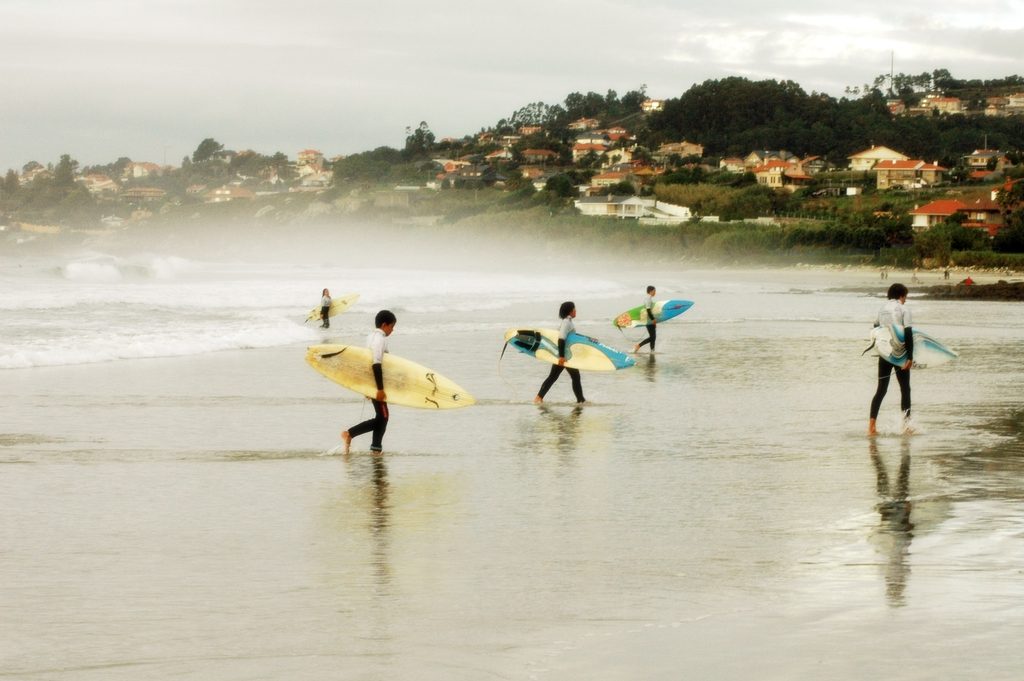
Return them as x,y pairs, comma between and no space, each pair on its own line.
539,156
582,150
781,175
978,214
909,174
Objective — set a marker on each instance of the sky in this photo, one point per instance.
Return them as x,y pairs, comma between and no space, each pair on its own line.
150,79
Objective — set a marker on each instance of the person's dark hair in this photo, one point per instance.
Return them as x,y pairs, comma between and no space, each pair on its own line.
897,291
651,289
384,317
566,309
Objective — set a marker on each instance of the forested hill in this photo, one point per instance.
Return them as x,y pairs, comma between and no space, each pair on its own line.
733,116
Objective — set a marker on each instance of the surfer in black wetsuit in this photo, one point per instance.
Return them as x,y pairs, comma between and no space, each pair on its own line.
566,312
652,331
893,313
325,309
377,341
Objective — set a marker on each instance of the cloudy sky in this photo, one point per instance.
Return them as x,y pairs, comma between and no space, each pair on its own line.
149,79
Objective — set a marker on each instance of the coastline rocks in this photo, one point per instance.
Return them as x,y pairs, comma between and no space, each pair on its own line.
1001,290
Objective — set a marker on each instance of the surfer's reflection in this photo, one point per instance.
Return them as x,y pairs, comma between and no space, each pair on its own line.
895,530
649,368
374,470
564,425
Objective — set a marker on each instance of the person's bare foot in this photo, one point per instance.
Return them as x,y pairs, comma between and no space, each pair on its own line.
636,348
538,400
872,431
347,439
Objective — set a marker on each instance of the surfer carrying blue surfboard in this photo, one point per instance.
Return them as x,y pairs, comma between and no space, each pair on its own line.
325,309
652,331
894,315
567,312
377,341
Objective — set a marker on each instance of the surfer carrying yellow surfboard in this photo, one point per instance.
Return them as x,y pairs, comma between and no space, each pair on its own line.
567,312
894,313
652,331
377,341
325,309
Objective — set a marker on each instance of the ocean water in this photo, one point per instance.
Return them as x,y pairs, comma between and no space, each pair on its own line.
174,503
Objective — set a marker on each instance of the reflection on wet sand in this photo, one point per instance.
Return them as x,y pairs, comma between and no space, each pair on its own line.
894,533
564,426
373,469
649,368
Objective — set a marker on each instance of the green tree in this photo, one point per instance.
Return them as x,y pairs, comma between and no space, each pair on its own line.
10,185
64,174
206,149
561,186
418,142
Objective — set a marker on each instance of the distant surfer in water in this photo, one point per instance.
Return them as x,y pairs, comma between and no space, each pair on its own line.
325,310
894,313
567,312
377,341
652,331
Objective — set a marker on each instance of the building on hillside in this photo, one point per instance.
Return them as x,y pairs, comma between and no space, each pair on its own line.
593,137
610,178
645,210
979,214
812,165
616,156
781,175
937,104
652,105
866,160
99,184
584,124
580,151
474,177
503,154
527,130
909,174
732,164
682,149
135,171
541,156
760,157
986,159
310,158
613,206
143,194
228,193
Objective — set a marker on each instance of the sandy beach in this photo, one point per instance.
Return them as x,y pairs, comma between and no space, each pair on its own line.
714,512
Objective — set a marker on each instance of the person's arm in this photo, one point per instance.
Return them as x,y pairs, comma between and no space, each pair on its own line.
908,342
377,367
650,313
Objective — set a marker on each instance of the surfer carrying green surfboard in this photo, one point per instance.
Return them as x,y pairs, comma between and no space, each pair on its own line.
894,314
377,341
567,312
652,331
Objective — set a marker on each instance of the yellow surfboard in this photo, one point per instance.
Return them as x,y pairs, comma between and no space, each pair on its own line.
338,305
405,383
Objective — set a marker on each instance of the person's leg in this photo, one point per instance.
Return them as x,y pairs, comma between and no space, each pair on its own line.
577,384
652,329
548,382
884,369
380,424
903,378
